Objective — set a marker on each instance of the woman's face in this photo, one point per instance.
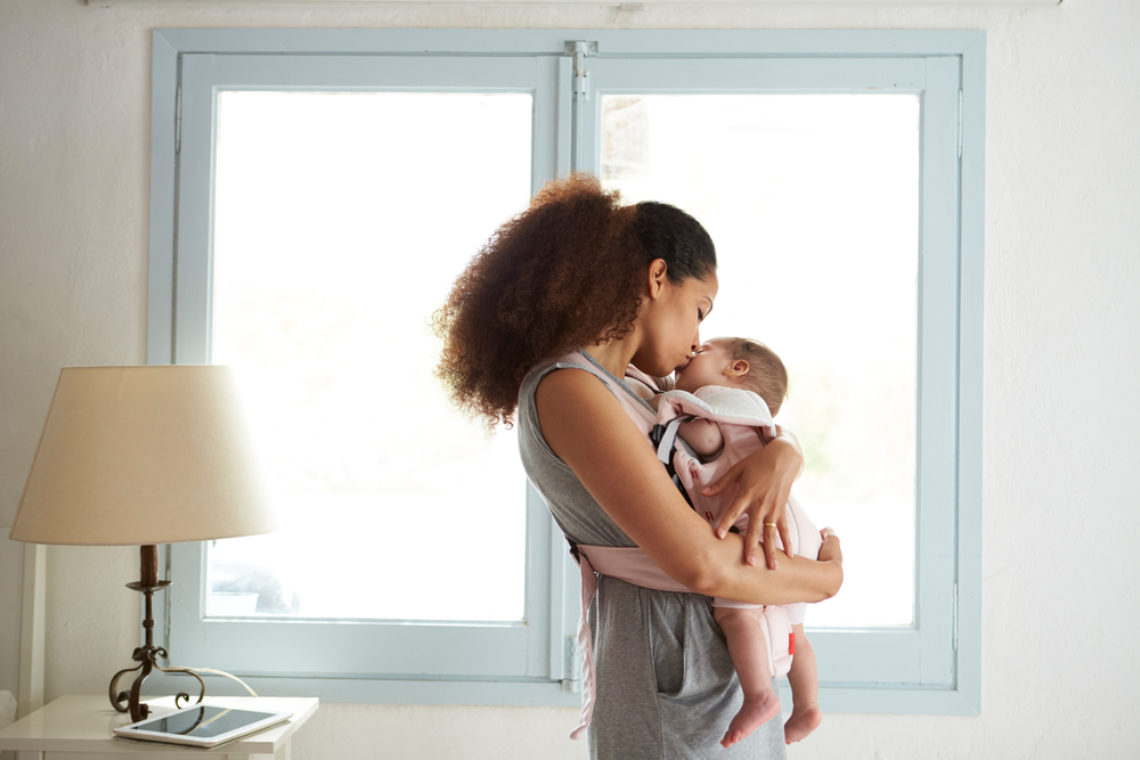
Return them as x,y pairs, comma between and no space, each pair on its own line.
670,320
708,367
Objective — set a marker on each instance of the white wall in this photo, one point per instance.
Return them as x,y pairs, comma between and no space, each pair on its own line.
1062,454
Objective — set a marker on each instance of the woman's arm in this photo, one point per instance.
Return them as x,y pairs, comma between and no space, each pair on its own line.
588,429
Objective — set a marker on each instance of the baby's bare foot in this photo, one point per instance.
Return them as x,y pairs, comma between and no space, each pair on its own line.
755,712
804,720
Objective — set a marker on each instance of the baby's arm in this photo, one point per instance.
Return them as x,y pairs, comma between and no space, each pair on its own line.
703,435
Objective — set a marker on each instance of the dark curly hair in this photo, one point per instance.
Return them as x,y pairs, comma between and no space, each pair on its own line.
565,273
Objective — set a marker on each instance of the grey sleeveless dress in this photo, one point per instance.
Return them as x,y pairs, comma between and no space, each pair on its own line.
666,688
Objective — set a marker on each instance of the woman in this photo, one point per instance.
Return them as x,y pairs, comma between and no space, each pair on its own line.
625,285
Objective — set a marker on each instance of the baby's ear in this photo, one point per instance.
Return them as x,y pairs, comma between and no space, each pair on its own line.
738,368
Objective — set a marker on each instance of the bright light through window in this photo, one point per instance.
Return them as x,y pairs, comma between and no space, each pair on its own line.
340,220
812,202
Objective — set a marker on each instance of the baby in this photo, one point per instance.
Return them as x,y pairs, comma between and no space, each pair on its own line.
751,367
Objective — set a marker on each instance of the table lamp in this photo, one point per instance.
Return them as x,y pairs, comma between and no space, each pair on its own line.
143,455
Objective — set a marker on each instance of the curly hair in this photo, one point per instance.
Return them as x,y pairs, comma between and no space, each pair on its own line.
565,273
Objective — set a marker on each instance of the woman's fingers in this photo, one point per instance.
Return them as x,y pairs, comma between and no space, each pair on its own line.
730,477
782,519
766,517
753,538
765,483
764,524
770,546
738,505
776,526
786,537
753,535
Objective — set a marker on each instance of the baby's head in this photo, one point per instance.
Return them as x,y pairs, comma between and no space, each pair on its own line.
737,363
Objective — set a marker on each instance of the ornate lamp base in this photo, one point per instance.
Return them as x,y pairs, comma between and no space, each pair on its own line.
147,655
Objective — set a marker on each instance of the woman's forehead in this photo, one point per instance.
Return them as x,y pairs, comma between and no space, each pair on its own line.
711,281
705,287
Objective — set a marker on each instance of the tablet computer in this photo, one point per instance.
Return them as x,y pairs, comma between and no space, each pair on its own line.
202,725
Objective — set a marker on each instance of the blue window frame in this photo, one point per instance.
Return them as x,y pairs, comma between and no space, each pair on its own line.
931,665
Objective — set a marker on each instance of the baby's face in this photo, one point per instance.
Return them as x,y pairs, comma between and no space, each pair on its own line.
706,368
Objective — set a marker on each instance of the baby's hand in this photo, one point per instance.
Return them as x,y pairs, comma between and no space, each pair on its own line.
829,550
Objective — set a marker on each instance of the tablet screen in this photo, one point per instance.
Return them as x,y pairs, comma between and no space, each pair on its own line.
204,725
203,721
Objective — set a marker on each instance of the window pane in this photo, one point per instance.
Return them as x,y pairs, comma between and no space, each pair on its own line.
812,201
340,219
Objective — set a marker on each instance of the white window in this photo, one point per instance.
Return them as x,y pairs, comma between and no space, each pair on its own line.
323,189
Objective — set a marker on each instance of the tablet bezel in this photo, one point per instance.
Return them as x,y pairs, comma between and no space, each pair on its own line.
135,730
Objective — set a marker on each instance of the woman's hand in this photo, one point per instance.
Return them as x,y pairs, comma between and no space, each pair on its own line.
765,479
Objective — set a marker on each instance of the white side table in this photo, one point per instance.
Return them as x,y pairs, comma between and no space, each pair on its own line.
83,724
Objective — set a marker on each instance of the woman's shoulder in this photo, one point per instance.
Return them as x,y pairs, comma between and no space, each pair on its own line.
595,385
538,373
570,359
547,384
579,393
621,387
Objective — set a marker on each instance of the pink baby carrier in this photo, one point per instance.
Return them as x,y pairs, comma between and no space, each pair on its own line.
746,425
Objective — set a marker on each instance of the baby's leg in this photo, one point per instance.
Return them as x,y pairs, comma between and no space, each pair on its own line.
748,648
804,680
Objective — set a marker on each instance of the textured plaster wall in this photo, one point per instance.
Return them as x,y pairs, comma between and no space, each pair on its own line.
1061,455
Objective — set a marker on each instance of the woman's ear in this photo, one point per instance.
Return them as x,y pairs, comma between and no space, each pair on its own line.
656,277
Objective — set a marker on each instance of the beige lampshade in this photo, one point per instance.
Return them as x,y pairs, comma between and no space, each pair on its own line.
143,455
